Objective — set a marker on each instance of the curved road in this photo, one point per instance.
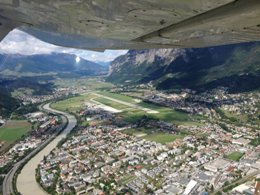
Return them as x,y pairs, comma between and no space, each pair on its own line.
26,182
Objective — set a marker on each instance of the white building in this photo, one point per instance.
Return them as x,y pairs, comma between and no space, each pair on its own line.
241,141
216,165
37,114
2,121
190,187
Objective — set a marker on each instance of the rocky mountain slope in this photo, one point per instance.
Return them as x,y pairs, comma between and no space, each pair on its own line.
234,66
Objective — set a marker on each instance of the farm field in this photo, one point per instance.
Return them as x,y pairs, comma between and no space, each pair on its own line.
89,83
12,131
153,135
235,156
255,142
165,114
242,117
73,104
162,138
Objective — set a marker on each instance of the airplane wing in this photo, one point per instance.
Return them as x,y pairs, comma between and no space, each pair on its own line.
133,24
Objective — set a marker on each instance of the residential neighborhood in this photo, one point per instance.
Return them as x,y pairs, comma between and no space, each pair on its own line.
216,149
104,158
46,126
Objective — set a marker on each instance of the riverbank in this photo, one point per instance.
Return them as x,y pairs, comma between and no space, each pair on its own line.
26,182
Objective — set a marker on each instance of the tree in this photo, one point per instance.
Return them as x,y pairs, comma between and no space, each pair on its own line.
211,188
226,183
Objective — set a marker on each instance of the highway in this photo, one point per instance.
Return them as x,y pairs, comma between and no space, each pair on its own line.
26,182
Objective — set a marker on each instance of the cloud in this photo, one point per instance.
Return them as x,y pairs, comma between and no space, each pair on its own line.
18,42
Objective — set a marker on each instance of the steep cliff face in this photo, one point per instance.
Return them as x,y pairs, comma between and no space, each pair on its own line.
200,68
135,63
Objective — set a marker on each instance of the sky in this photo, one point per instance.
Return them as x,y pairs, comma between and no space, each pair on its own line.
18,42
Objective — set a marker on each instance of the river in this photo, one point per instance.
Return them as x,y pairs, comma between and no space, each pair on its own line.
26,182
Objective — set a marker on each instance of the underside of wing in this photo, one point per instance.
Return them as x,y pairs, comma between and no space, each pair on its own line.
133,24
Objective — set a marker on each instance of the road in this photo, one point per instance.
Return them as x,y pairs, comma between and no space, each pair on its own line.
26,183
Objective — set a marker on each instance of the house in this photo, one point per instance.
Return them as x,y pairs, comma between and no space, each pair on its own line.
241,141
1,121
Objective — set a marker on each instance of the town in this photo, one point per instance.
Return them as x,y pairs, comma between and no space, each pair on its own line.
48,126
142,141
105,155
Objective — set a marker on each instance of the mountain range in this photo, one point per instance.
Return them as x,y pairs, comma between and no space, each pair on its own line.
60,64
236,67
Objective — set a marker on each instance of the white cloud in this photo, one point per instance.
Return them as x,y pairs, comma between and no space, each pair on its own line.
20,42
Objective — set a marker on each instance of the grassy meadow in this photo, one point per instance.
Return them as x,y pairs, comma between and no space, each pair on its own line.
128,114
235,156
12,131
155,135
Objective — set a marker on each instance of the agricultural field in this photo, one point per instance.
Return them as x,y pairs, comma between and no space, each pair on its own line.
235,156
241,118
255,142
12,131
73,104
163,138
238,119
89,83
165,114
155,135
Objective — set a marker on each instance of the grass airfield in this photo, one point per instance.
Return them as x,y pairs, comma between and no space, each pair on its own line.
131,110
